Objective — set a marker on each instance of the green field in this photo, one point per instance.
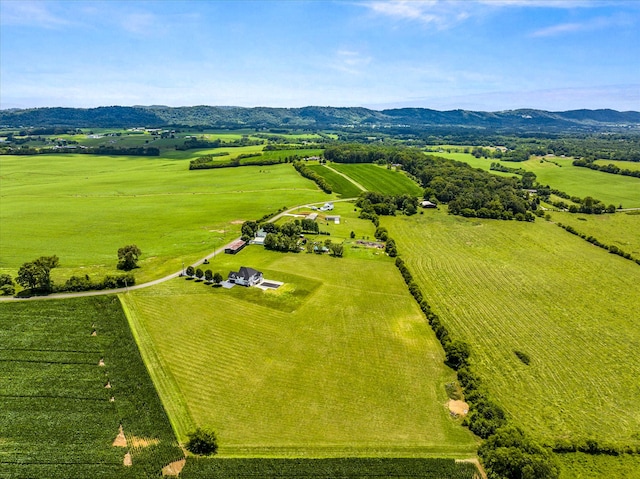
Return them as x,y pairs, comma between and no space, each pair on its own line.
308,370
379,178
572,307
586,466
57,417
344,468
339,184
621,229
560,174
83,208
623,165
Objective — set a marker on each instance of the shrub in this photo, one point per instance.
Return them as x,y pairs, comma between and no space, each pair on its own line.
202,442
524,357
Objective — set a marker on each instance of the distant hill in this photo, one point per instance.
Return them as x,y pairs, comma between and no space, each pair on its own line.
315,117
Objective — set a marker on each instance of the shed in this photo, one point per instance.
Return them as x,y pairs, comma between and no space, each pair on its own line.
234,247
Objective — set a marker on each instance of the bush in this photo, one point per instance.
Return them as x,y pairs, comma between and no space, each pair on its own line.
510,454
202,442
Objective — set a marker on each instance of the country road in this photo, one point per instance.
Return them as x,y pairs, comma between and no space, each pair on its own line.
155,281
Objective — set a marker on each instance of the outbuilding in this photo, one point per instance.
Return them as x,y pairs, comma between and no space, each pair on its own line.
234,247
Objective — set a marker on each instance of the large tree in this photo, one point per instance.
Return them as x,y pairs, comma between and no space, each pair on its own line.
36,275
128,257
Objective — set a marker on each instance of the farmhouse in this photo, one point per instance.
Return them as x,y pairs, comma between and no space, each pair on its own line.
245,277
327,207
234,247
334,218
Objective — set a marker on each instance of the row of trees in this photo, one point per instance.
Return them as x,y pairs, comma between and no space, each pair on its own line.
313,176
610,168
507,452
208,275
35,275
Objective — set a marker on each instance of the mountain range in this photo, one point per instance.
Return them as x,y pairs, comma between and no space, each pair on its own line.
315,117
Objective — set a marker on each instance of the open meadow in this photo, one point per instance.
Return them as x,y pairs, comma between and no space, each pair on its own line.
621,229
338,361
70,375
570,306
559,173
83,208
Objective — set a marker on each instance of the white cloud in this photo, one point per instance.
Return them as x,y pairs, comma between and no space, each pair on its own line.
30,13
437,13
350,61
597,23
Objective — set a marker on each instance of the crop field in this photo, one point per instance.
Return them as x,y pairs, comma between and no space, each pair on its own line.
339,184
58,418
572,307
307,370
378,178
345,468
83,208
621,229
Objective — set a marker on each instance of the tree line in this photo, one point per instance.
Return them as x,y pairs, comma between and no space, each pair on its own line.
35,276
610,168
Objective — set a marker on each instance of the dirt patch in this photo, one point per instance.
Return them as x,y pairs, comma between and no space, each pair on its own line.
459,408
237,222
137,442
216,231
474,460
101,362
94,333
174,469
127,460
120,440
108,385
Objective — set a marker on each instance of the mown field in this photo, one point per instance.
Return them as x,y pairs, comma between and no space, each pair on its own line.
572,307
308,370
58,419
378,178
83,208
621,229
339,184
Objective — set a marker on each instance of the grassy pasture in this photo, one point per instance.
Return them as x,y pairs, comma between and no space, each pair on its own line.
572,307
624,165
379,178
83,208
576,181
621,229
339,184
57,418
308,370
587,466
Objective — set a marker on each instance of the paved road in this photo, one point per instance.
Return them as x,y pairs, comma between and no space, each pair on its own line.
155,281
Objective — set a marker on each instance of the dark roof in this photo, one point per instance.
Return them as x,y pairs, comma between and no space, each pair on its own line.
245,273
236,245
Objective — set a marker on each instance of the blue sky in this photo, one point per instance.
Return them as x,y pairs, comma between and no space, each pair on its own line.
441,54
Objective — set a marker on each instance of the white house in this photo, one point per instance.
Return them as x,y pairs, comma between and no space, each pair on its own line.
327,207
245,277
